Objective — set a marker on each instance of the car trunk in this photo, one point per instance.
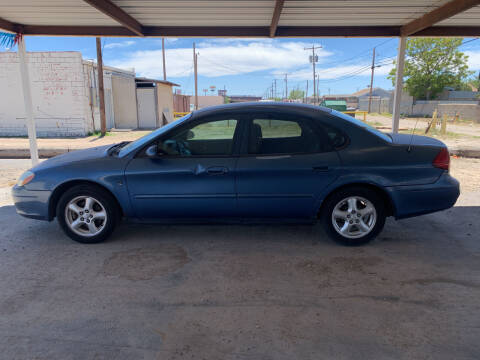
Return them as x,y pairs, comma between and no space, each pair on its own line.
416,140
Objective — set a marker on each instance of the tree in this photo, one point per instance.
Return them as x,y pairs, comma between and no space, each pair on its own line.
431,64
475,82
296,94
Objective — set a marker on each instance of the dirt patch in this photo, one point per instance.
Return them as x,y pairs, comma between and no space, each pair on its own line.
314,267
9,175
441,280
144,264
467,171
346,264
355,264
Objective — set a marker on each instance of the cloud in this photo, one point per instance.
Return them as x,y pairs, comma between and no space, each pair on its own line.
473,59
219,57
119,44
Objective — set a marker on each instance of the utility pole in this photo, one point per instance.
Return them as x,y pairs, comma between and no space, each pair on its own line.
371,82
318,87
163,55
313,60
195,75
101,91
275,88
286,86
306,94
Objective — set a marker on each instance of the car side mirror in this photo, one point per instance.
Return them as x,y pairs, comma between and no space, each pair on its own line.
152,151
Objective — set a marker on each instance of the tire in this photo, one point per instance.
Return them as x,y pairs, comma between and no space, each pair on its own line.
87,221
353,216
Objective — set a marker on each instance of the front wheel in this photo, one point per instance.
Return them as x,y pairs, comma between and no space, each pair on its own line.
87,214
353,216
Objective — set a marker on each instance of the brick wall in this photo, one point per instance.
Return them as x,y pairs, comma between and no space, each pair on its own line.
58,95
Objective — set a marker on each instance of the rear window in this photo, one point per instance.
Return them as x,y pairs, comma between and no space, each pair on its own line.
363,125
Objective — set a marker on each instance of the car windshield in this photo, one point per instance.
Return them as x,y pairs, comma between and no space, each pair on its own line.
367,127
150,136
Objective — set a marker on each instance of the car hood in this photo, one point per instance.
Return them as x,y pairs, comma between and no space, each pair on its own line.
75,156
415,140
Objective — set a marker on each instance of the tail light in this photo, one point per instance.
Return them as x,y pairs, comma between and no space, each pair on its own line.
442,160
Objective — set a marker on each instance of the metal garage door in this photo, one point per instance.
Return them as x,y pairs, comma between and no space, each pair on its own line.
124,102
147,108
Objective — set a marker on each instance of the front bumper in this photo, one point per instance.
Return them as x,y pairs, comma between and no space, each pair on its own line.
424,199
31,203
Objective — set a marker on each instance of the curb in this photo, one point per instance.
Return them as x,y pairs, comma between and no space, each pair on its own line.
25,153
48,153
467,153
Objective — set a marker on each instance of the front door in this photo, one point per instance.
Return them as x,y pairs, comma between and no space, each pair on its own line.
192,177
285,167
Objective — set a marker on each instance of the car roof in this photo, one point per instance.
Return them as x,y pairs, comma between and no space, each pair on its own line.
256,106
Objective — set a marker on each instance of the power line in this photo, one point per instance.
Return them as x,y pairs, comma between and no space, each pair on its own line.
356,57
468,41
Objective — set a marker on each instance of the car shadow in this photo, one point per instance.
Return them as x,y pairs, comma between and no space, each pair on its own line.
458,223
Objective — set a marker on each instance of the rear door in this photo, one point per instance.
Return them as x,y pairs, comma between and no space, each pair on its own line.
286,164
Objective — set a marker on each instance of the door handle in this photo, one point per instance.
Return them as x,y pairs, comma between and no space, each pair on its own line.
217,170
320,168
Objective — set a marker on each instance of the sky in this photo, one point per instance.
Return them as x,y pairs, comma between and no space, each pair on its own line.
248,66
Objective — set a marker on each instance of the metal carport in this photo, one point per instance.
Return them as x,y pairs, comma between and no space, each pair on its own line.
238,18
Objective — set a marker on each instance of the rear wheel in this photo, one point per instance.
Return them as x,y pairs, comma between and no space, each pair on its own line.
353,216
87,214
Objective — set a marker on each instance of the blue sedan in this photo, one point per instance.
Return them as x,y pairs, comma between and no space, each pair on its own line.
251,162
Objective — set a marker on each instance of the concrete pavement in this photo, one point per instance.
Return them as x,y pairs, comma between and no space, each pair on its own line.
242,292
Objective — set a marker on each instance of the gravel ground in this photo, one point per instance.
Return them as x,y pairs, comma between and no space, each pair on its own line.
467,134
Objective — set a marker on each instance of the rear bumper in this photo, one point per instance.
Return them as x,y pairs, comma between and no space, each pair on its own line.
424,199
31,203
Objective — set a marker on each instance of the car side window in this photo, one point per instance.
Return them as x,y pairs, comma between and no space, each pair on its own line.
282,136
207,138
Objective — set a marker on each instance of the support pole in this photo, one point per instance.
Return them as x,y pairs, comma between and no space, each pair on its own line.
27,99
164,65
195,75
398,83
101,91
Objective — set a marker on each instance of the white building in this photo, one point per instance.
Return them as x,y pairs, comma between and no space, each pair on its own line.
65,96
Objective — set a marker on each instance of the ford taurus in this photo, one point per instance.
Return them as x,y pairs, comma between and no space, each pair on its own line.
251,162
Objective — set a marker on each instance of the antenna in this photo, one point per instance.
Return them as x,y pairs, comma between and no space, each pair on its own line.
411,137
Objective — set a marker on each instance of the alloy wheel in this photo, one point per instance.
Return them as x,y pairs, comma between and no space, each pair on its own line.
354,217
85,216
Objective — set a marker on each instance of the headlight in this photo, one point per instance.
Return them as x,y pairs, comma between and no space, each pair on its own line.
26,177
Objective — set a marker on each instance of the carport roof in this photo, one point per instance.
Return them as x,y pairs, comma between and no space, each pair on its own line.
237,18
